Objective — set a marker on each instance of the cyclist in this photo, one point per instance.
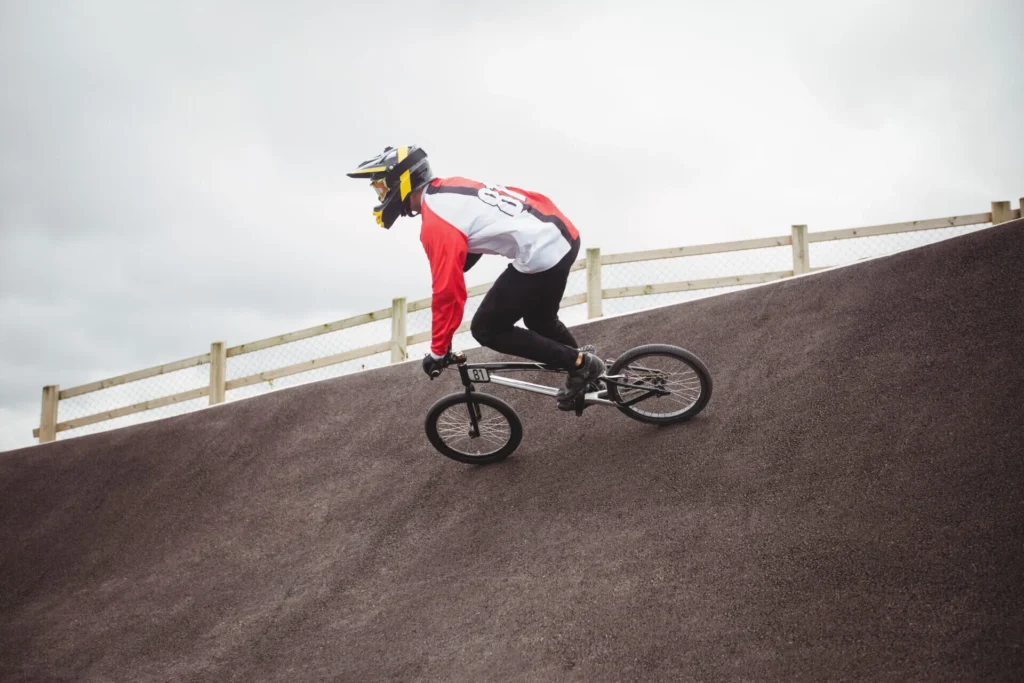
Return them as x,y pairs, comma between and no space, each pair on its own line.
463,219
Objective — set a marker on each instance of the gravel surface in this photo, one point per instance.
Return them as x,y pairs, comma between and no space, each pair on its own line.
847,507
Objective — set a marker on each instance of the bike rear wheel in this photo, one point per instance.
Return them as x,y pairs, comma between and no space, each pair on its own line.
450,429
669,384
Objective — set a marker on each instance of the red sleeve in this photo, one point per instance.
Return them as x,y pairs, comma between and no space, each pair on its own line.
446,248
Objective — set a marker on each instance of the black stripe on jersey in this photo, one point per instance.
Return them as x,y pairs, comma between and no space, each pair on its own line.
554,220
473,192
451,189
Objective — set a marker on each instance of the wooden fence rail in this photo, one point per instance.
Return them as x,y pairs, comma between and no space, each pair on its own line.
799,239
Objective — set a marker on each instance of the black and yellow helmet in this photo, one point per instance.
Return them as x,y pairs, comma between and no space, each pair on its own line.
395,174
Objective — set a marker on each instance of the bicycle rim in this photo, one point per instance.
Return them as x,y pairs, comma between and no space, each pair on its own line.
661,372
454,429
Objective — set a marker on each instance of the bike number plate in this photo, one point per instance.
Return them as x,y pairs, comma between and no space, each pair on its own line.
479,375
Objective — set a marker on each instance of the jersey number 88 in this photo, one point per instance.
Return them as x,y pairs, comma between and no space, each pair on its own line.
504,199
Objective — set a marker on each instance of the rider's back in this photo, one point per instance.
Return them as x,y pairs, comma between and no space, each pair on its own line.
521,225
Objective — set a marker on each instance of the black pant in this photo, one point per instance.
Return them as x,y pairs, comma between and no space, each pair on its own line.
533,297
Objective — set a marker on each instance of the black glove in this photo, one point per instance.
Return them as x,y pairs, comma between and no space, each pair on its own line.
433,366
471,260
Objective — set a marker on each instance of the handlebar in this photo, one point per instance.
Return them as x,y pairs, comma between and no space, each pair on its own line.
450,358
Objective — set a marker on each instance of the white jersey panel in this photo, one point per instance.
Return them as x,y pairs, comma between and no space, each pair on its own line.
533,245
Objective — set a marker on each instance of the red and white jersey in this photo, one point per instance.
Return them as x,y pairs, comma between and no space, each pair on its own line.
462,216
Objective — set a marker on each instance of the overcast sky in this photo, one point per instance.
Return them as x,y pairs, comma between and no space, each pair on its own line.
173,173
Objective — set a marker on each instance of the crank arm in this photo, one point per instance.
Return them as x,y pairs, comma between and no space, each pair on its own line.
627,385
634,401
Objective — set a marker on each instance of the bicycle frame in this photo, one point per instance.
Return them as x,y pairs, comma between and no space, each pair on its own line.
481,372
471,373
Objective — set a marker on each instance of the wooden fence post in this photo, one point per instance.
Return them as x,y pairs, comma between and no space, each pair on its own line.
1000,212
399,352
48,419
594,283
218,372
801,257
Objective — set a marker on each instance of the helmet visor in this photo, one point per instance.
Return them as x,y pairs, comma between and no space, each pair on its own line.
380,186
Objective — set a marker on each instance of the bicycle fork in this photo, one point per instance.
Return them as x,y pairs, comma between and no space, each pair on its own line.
474,411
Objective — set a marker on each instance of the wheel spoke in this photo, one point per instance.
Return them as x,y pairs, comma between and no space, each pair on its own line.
453,426
663,373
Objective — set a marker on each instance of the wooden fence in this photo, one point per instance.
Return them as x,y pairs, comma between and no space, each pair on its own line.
799,239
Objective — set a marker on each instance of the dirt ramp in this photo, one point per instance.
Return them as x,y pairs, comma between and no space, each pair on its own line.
846,508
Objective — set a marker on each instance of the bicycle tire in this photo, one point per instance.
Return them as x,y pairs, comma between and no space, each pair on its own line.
437,437
665,351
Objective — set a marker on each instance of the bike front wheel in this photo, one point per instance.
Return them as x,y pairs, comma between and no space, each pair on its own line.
450,428
666,384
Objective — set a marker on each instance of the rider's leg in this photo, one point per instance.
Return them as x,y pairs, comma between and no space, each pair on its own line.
545,298
543,318
493,326
552,328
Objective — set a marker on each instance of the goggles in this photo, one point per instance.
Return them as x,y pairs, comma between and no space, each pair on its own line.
380,186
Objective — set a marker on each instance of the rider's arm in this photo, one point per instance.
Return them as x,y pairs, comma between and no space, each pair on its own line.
446,249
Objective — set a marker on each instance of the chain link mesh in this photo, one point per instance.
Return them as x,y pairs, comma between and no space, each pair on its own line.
687,269
132,393
306,350
613,276
845,252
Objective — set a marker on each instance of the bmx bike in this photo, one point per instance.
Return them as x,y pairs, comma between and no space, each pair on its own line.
654,383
